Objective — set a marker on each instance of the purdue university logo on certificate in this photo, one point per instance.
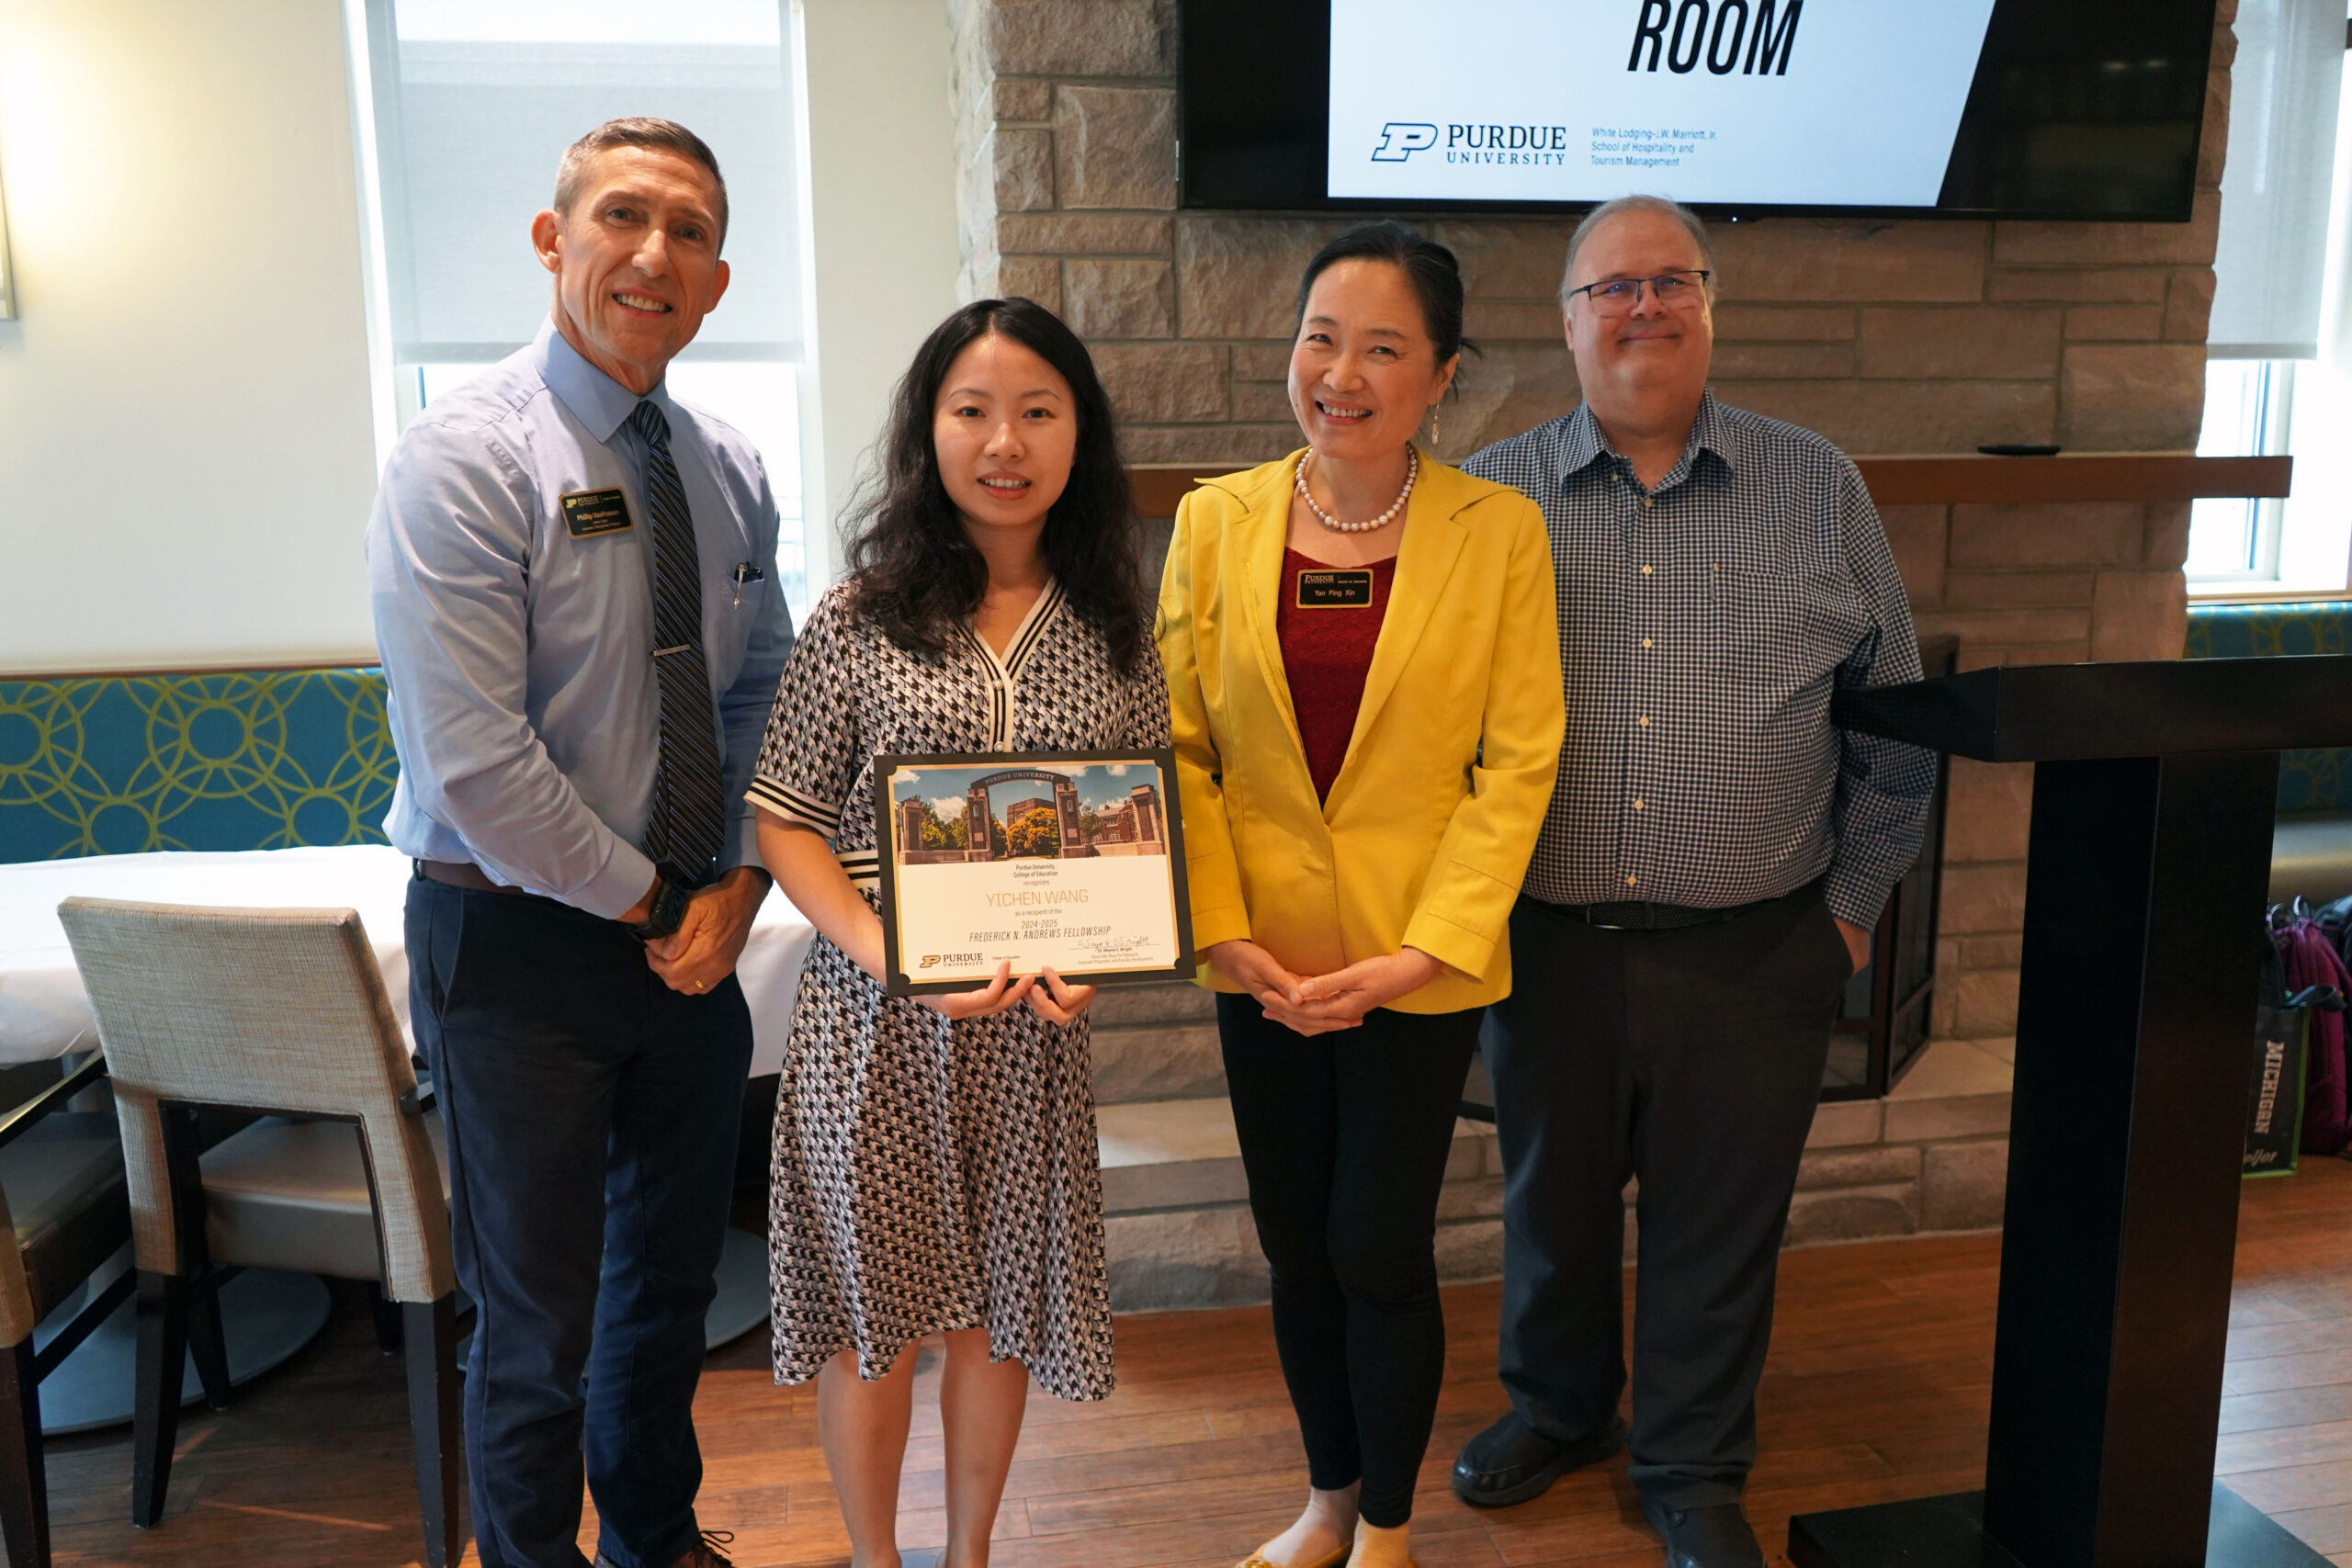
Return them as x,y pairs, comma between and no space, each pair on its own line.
1072,861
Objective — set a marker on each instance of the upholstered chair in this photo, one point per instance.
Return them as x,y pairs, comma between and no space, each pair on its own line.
281,1012
62,1215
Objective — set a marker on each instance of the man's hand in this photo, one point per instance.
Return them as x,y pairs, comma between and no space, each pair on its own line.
1857,944
702,951
1341,999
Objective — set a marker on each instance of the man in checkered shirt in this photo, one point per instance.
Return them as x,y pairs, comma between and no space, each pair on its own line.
1714,861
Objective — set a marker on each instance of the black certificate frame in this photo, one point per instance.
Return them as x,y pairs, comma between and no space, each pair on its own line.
1162,760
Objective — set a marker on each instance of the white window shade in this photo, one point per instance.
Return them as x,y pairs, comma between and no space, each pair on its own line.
469,129
2270,265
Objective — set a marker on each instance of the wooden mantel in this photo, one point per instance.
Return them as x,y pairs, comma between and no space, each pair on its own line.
1936,481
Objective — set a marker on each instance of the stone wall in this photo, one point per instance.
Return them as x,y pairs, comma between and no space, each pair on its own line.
1886,337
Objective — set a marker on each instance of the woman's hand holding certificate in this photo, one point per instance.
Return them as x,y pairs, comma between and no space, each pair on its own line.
1048,995
999,994
1058,999
804,868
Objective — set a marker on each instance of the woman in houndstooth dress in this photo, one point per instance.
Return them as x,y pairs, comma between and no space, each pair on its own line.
934,1159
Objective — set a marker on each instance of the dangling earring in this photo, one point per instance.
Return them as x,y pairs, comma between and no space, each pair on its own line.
1433,412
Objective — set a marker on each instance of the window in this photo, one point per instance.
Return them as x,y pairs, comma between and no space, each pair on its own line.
2280,378
472,103
2248,406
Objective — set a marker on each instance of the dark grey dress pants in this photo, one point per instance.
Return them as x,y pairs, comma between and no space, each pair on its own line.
1690,1059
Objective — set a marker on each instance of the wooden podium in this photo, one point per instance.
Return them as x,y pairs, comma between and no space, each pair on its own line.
2155,787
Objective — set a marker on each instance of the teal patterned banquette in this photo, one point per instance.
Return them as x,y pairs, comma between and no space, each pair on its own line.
2308,781
242,760
264,760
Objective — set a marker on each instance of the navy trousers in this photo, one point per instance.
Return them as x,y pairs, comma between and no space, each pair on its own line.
1690,1059
592,1114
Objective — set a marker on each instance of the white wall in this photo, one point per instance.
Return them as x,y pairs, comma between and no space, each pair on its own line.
186,449
187,442
882,233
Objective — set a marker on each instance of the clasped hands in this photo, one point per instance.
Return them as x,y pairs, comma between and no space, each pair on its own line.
1317,1004
703,950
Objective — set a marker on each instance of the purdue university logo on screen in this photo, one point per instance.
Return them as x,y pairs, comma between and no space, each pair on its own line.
1399,140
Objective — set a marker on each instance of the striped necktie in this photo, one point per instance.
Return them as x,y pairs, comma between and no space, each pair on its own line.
689,816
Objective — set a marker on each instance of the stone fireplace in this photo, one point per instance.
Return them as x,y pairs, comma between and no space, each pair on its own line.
1888,337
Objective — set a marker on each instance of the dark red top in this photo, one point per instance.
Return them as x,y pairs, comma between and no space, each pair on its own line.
1328,621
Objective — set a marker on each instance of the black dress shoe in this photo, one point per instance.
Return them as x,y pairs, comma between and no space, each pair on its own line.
1511,1462
1715,1536
703,1553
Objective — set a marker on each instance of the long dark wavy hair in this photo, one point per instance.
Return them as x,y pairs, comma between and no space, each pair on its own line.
915,573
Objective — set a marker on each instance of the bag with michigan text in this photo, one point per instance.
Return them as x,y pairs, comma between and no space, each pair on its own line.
2274,1108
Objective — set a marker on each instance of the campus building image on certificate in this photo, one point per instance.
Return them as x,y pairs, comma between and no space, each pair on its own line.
1090,810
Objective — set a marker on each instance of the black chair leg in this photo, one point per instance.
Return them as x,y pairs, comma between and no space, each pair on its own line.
436,1425
155,1419
23,1485
208,1345
386,1313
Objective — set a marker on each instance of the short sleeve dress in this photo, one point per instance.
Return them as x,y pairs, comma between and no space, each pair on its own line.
931,1176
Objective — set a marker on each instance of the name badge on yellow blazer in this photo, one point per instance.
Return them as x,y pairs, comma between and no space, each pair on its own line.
1335,590
588,513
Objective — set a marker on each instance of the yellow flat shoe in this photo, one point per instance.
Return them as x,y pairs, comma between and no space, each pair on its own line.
1333,1560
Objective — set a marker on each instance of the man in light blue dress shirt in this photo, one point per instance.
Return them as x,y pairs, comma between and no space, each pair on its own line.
577,605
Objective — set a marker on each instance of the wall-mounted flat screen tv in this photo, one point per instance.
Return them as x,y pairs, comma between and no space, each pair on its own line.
2012,108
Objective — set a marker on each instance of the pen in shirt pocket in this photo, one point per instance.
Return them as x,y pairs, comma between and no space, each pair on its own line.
745,572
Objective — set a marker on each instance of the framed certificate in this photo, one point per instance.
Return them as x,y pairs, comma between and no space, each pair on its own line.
1073,860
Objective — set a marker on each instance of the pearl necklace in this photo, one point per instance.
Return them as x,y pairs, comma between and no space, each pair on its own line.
1412,472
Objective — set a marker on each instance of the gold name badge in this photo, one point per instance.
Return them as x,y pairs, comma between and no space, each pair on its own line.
1335,590
588,513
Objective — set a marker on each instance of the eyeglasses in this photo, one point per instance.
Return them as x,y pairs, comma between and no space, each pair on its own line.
1675,290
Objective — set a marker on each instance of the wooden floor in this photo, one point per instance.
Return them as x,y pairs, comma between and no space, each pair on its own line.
1876,1391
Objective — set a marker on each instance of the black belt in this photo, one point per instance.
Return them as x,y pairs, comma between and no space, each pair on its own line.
1642,916
466,874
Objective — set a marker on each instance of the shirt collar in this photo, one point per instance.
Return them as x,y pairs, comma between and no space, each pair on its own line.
595,399
1584,442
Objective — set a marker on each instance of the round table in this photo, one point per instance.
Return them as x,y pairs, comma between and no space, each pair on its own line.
44,1013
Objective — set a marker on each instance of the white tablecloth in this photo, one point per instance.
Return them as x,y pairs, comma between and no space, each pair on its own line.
44,1013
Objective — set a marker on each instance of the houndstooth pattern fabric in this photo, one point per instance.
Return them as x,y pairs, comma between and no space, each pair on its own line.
931,1176
1703,626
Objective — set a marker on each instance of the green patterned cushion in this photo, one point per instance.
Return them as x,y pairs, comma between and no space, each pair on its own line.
2308,781
250,759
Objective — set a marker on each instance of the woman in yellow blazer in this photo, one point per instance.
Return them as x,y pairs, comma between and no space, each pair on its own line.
1363,677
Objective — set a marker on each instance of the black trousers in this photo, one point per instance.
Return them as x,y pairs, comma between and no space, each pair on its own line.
1690,1059
592,1114
1344,1139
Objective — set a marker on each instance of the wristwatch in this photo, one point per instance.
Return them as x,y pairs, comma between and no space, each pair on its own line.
664,913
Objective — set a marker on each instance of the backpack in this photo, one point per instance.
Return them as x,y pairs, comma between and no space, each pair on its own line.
2314,965
2336,921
